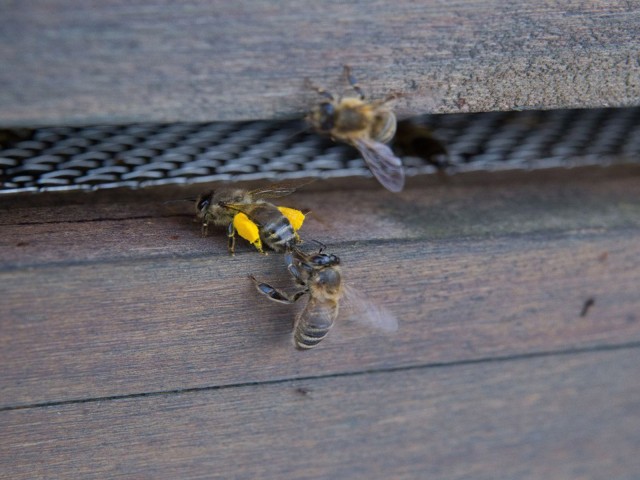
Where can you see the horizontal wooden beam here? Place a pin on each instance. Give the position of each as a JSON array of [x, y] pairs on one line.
[[561, 416], [94, 61], [123, 297]]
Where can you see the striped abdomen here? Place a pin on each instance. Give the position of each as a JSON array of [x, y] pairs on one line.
[[275, 229], [384, 127], [279, 234], [314, 323]]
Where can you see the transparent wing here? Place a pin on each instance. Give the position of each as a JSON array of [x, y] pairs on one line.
[[357, 307], [249, 209], [278, 190], [384, 165]]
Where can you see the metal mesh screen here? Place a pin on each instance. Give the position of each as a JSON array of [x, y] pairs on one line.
[[139, 155]]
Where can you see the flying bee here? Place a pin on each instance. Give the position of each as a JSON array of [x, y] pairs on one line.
[[250, 215], [367, 126], [318, 276]]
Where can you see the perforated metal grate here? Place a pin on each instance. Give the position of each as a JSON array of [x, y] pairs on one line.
[[72, 158]]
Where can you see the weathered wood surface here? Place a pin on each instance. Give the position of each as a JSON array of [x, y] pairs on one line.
[[560, 417], [70, 61], [123, 298]]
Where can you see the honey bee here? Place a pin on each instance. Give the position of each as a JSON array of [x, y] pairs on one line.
[[250, 215], [319, 276], [367, 126]]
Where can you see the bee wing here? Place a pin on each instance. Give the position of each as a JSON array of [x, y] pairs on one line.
[[278, 190], [247, 208], [384, 165], [357, 307]]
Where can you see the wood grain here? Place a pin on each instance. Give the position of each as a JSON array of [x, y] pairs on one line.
[[139, 224], [112, 307], [560, 417], [71, 62]]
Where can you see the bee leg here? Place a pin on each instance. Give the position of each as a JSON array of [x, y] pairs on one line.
[[321, 91], [288, 257], [299, 277], [275, 294], [231, 236], [205, 229], [353, 82], [295, 273]]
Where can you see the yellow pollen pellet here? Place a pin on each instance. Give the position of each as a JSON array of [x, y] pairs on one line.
[[247, 230], [295, 217]]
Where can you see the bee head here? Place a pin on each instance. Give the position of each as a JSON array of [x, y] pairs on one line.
[[323, 116], [325, 260], [203, 201]]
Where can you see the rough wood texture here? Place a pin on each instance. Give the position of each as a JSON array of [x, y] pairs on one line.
[[560, 417], [108, 304], [69, 61], [130, 346]]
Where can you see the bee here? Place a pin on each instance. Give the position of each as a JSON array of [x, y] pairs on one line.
[[318, 276], [250, 215], [367, 126]]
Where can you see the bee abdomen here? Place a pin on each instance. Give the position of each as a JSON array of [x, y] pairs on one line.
[[385, 127], [306, 338], [314, 324], [279, 234]]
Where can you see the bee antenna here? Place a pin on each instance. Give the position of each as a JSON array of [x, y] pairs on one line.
[[320, 244], [230, 206]]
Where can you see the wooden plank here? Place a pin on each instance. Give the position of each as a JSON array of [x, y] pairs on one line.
[[95, 61], [473, 273], [567, 416], [138, 224]]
